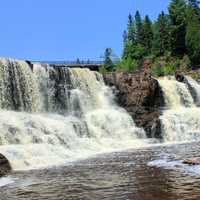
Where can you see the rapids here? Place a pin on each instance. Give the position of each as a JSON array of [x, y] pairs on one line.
[[180, 120]]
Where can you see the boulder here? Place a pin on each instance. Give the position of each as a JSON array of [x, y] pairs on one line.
[[140, 94], [5, 167], [192, 161]]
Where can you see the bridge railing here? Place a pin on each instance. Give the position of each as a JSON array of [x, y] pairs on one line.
[[81, 62]]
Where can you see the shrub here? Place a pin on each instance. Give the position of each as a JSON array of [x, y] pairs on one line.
[[127, 65]]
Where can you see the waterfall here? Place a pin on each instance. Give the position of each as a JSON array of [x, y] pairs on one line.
[[194, 88], [53, 115], [180, 120]]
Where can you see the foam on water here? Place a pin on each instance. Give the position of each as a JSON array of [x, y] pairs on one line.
[[6, 181], [180, 120]]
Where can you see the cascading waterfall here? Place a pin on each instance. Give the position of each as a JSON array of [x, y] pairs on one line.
[[194, 88], [181, 119], [52, 115]]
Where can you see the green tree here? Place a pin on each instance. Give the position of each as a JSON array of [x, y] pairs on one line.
[[138, 26], [133, 51], [177, 13], [193, 32], [194, 3], [147, 35], [131, 29], [108, 63], [78, 61], [162, 39], [125, 37]]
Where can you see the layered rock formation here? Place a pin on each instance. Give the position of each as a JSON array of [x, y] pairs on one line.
[[139, 93], [5, 167]]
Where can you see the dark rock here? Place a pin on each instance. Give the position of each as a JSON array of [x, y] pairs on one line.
[[192, 161], [140, 94], [5, 167], [180, 77]]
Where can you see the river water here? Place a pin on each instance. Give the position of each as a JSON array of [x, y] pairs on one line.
[[152, 173]]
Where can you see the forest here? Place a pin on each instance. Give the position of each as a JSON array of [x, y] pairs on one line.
[[171, 42]]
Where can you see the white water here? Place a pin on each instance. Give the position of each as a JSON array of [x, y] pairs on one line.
[[56, 115], [181, 119], [195, 89]]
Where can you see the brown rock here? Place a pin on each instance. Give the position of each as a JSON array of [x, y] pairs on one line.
[[139, 93], [5, 167], [192, 161]]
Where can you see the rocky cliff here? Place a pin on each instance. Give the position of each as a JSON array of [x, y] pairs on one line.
[[139, 93]]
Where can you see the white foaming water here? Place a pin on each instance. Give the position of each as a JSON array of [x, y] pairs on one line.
[[195, 89], [65, 115], [6, 181], [181, 120], [176, 93]]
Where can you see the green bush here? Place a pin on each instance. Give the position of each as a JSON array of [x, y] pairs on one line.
[[185, 63], [127, 65], [165, 69]]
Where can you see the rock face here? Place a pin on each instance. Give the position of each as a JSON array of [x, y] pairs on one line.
[[139, 93], [5, 167]]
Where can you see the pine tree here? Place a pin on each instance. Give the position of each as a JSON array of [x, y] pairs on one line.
[[177, 13], [193, 32], [193, 9], [194, 3], [78, 61], [138, 25], [125, 37], [147, 34], [108, 63], [131, 29], [162, 40]]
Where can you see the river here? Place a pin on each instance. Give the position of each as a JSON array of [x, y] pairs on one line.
[[152, 173]]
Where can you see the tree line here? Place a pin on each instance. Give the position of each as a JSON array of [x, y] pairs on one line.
[[173, 40]]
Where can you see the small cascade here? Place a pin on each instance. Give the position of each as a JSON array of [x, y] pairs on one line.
[[53, 115], [180, 120], [176, 94], [18, 87], [194, 88]]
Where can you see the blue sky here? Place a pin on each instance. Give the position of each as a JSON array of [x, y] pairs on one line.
[[67, 29]]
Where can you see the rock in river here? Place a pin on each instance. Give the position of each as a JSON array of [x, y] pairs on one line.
[[192, 161], [5, 167]]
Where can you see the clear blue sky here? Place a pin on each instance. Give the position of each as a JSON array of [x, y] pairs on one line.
[[67, 29]]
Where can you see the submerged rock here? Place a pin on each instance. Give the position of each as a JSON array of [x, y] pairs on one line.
[[192, 161], [5, 167], [140, 94]]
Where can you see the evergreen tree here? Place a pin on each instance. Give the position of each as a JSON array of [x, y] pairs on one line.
[[193, 32], [147, 35], [193, 9], [108, 63], [131, 29], [125, 37], [162, 40], [133, 51], [177, 13], [138, 25], [194, 4], [78, 61]]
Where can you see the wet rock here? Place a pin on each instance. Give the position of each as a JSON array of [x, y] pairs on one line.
[[140, 94], [5, 167], [192, 161]]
